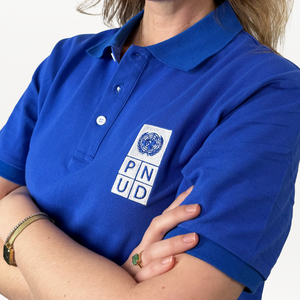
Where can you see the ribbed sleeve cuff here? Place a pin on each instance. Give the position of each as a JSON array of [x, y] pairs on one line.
[[12, 174], [223, 260]]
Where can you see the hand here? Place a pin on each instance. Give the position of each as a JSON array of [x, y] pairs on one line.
[[157, 255]]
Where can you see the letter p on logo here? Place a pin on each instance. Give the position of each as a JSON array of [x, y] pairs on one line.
[[130, 167]]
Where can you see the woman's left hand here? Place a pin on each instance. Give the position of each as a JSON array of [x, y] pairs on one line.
[[157, 254]]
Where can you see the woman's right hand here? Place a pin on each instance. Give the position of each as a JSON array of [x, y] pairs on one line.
[[158, 254]]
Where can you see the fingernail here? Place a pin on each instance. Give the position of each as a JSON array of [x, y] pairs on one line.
[[188, 191], [191, 208], [167, 261], [189, 238]]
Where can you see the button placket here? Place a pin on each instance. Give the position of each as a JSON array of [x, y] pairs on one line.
[[112, 102]]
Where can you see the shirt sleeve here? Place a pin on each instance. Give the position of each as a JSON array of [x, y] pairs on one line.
[[15, 136], [244, 179]]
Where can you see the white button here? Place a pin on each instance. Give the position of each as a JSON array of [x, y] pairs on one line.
[[101, 120], [113, 57], [118, 89]]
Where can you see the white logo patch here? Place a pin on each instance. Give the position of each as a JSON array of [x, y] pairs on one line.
[[139, 169]]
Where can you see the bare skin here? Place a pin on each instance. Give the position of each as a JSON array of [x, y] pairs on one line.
[[163, 20], [158, 256]]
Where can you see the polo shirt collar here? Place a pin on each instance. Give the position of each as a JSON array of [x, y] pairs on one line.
[[188, 49]]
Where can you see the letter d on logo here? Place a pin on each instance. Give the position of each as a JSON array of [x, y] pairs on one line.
[[140, 192]]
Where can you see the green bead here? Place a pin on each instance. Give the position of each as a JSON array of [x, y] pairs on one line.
[[135, 259]]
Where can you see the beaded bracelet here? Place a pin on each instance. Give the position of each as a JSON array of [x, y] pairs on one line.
[[8, 249], [18, 225]]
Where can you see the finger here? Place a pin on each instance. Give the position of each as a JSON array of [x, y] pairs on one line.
[[161, 224], [169, 247], [155, 268], [179, 199]]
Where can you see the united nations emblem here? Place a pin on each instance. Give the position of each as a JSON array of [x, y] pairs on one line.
[[150, 143]]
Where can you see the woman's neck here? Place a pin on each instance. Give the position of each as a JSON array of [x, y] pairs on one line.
[[164, 19]]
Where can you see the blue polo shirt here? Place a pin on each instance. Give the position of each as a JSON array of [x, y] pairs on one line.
[[105, 144]]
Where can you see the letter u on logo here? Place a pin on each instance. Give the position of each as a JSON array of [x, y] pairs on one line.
[[122, 186], [121, 190]]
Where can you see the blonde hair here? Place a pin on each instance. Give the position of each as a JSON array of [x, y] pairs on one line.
[[266, 20]]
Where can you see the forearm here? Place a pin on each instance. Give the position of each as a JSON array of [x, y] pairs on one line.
[[12, 283], [55, 266]]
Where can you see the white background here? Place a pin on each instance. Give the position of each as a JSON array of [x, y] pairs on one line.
[[30, 29]]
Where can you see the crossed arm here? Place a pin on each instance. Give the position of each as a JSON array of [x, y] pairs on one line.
[[52, 266]]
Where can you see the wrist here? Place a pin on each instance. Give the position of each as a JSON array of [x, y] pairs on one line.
[[8, 249], [13, 209]]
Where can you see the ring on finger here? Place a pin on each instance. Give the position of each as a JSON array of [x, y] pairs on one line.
[[137, 259]]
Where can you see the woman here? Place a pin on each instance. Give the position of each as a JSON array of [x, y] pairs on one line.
[[202, 104]]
